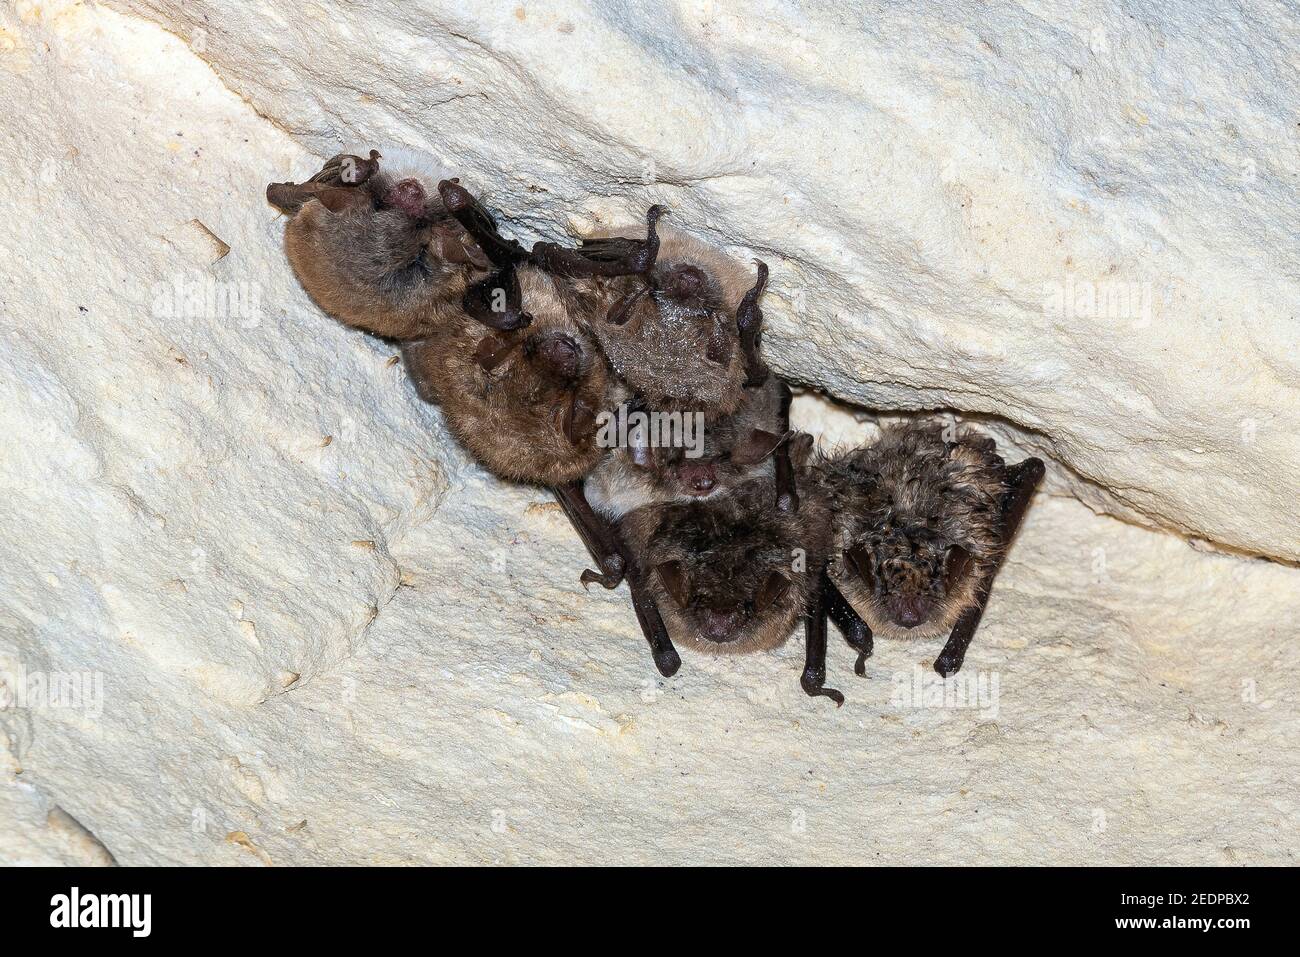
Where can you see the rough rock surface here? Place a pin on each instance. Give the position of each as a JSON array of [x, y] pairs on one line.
[[291, 623]]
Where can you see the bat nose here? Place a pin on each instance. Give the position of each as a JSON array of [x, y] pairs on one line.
[[699, 479], [910, 612], [408, 196], [684, 282], [558, 355], [720, 625]]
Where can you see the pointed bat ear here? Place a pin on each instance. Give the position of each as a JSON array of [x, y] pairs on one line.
[[494, 349], [859, 559], [801, 446], [773, 587], [577, 420], [672, 575], [956, 563], [451, 243], [719, 348], [338, 199], [756, 446]]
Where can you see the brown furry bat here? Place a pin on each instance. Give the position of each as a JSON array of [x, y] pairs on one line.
[[377, 248], [922, 523], [731, 574], [523, 401], [485, 335], [734, 573], [680, 326], [728, 451]]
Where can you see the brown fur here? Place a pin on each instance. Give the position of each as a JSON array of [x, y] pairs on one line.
[[662, 349], [377, 267], [512, 417], [907, 500], [728, 547]]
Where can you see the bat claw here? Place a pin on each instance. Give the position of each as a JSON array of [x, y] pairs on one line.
[[818, 691], [611, 578], [813, 683], [860, 666]]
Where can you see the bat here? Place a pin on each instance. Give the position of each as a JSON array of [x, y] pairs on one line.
[[922, 521]]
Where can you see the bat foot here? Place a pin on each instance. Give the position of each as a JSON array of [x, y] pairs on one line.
[[812, 683], [788, 502], [667, 661], [860, 640], [353, 170], [611, 578], [947, 664], [860, 666]]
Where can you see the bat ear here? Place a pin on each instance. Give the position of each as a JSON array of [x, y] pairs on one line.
[[801, 446], [493, 350], [859, 559], [338, 199], [956, 562], [773, 587], [756, 446], [672, 575], [578, 419], [451, 243], [719, 349]]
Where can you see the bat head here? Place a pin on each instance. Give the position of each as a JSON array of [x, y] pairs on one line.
[[915, 584], [718, 610], [918, 519], [718, 467], [730, 574]]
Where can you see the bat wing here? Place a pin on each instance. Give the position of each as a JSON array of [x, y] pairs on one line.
[[480, 224], [615, 256]]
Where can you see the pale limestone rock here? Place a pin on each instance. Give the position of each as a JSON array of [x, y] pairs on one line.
[[323, 636]]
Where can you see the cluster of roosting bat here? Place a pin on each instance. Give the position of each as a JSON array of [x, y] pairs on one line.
[[725, 545]]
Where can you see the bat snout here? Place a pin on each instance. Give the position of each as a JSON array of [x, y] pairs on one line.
[[721, 625], [557, 354], [698, 478], [683, 282], [409, 196], [908, 611]]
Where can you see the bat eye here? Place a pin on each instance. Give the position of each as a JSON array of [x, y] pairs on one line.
[[956, 562]]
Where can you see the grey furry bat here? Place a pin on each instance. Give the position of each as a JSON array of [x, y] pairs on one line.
[[678, 320], [921, 527], [377, 248]]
